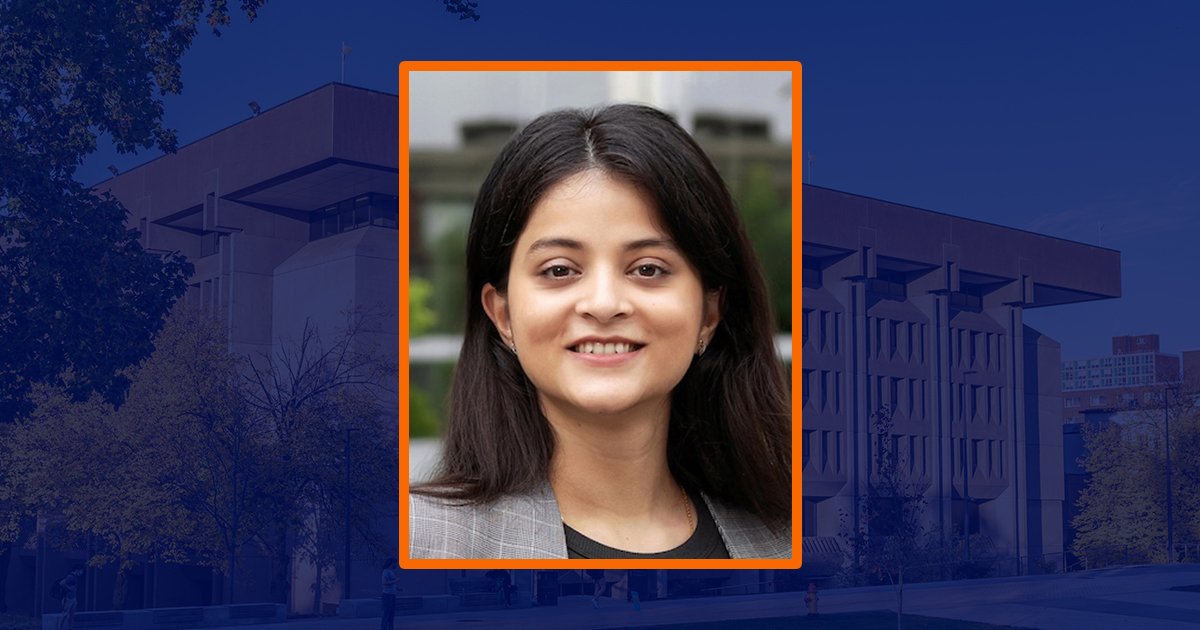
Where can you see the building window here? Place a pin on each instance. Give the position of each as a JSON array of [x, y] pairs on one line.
[[837, 392], [966, 302], [383, 210], [890, 285], [351, 214], [362, 211], [812, 273], [837, 327], [823, 327], [210, 243]]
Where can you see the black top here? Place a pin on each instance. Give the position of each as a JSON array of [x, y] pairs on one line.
[[704, 543]]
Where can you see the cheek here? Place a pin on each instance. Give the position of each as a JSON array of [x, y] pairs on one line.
[[537, 318], [677, 316]]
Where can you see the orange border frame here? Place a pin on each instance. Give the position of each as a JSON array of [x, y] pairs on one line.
[[794, 67]]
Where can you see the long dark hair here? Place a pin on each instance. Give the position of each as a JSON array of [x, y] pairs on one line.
[[730, 433]]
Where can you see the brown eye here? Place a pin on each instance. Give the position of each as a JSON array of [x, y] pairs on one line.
[[557, 271], [650, 271]]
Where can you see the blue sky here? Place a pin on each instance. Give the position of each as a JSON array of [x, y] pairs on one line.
[[1055, 119]]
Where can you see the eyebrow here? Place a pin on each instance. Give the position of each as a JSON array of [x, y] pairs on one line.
[[569, 243]]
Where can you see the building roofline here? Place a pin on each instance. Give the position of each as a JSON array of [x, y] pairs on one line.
[[962, 218], [330, 85]]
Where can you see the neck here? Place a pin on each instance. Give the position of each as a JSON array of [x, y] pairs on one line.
[[611, 479]]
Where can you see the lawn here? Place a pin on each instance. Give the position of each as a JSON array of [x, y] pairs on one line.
[[872, 620], [13, 622]]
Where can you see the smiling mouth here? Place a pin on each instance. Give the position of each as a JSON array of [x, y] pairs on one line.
[[590, 347]]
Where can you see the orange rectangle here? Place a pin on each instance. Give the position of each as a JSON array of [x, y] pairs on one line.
[[405, 68]]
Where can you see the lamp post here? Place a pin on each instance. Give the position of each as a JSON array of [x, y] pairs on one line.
[[966, 473], [346, 581], [1167, 446]]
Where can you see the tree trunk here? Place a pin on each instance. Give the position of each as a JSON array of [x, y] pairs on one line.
[[121, 583], [281, 591], [230, 577], [900, 600], [5, 554], [317, 595]]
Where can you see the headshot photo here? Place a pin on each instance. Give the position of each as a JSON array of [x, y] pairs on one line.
[[596, 365]]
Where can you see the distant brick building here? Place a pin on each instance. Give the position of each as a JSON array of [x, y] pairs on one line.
[[1132, 376]]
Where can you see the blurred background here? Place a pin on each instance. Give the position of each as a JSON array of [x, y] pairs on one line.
[[461, 120]]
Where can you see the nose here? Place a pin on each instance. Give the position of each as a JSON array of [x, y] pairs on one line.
[[604, 297]]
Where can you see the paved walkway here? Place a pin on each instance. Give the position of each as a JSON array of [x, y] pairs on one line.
[[1119, 598]]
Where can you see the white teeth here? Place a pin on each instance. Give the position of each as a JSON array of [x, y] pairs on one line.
[[591, 347]]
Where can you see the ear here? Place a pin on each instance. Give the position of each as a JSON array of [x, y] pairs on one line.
[[711, 315], [495, 304]]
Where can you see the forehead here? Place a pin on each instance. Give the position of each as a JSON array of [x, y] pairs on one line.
[[593, 206]]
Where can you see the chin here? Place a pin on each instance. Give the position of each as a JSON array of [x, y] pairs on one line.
[[608, 403], [604, 408]]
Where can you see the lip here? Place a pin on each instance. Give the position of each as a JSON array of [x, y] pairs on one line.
[[606, 360]]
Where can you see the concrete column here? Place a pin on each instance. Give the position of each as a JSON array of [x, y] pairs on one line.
[[859, 411], [940, 371]]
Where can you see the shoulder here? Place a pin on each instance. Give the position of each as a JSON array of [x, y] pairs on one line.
[[516, 526], [746, 536]]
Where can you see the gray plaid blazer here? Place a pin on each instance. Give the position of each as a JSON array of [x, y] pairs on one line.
[[530, 526]]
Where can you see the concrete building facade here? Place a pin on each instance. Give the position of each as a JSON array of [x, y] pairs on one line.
[[922, 314], [290, 218]]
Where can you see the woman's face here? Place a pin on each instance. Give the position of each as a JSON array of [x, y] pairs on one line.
[[605, 311]]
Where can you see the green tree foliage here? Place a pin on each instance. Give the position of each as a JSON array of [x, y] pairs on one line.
[[79, 299], [421, 318], [1122, 516], [422, 413], [450, 281], [769, 225]]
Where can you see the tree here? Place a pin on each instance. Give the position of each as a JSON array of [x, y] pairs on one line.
[[422, 414], [1122, 514], [212, 455], [216, 457], [325, 400], [178, 473], [769, 226], [88, 474], [464, 9], [79, 298], [894, 540]]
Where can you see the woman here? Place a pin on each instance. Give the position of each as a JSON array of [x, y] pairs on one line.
[[618, 393]]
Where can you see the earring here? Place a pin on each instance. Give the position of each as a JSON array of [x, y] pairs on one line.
[[700, 351], [512, 346]]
